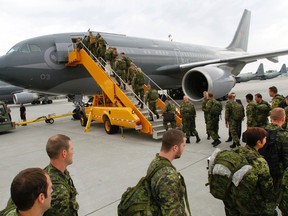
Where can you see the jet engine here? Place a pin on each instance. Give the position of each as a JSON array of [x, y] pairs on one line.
[[208, 78], [25, 97]]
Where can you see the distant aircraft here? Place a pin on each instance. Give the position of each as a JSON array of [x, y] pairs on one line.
[[260, 75], [250, 76], [39, 63], [271, 75], [17, 95]]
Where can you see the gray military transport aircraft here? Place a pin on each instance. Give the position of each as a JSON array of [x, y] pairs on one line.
[[39, 63], [260, 74]]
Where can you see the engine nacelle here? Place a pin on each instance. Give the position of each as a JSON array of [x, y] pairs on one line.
[[25, 97], [209, 78]]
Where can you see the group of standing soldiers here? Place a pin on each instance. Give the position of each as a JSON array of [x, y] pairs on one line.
[[257, 113]]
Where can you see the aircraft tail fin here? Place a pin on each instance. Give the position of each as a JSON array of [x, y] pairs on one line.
[[283, 69], [240, 40], [260, 70]]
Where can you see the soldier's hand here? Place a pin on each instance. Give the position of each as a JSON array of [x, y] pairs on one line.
[[227, 125]]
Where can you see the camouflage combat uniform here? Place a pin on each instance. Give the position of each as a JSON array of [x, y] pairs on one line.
[[277, 101], [262, 113], [169, 108], [151, 98], [232, 121], [285, 126], [138, 84], [257, 197], [10, 212], [167, 189], [282, 149], [63, 202], [100, 52], [128, 64], [251, 114], [188, 114], [204, 104], [120, 66], [131, 71], [283, 205], [110, 56], [212, 120]]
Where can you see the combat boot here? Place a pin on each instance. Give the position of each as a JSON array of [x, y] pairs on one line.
[[216, 142], [233, 145], [208, 137], [197, 138], [188, 140]]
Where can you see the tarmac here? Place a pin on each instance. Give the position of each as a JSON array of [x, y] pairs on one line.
[[105, 165]]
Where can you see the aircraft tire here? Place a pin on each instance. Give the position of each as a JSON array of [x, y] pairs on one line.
[[49, 101], [76, 114], [110, 129]]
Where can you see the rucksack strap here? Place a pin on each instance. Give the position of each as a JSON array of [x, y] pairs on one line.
[[157, 168], [186, 195]]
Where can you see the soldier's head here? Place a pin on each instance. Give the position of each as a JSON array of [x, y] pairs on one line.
[[173, 143], [123, 55], [205, 94], [59, 147], [249, 98], [210, 95], [273, 91], [185, 98], [255, 137], [233, 95], [90, 33], [258, 98], [230, 97], [278, 116], [148, 87], [31, 189]]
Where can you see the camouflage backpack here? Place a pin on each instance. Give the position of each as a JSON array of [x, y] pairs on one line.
[[223, 165], [153, 95], [137, 200], [216, 108], [238, 111], [140, 78]]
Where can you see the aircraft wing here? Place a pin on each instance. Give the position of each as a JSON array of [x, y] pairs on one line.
[[244, 58]]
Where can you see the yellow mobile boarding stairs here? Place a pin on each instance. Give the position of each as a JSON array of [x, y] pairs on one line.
[[116, 107]]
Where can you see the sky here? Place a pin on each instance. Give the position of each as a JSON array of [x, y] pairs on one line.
[[204, 22]]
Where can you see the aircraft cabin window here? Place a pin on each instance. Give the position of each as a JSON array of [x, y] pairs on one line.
[[24, 48], [34, 48]]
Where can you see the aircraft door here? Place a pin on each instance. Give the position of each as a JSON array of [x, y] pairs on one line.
[[62, 45]]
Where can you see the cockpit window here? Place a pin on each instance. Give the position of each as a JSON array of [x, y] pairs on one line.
[[24, 48], [34, 48], [13, 49]]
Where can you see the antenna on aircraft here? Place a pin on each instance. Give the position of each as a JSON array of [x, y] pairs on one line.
[[170, 37]]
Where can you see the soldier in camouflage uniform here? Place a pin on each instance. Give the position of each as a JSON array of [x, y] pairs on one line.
[[278, 117], [262, 111], [151, 97], [169, 109], [128, 64], [212, 121], [92, 43], [188, 114], [110, 57], [31, 191], [138, 85], [230, 119], [167, 185], [120, 66], [251, 111], [204, 103], [131, 71], [257, 196], [60, 151], [101, 49], [277, 100]]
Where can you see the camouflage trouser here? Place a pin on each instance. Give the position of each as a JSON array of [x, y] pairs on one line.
[[153, 108], [189, 126], [139, 92], [230, 208], [234, 130], [283, 206], [93, 49], [121, 74], [213, 127], [205, 118]]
